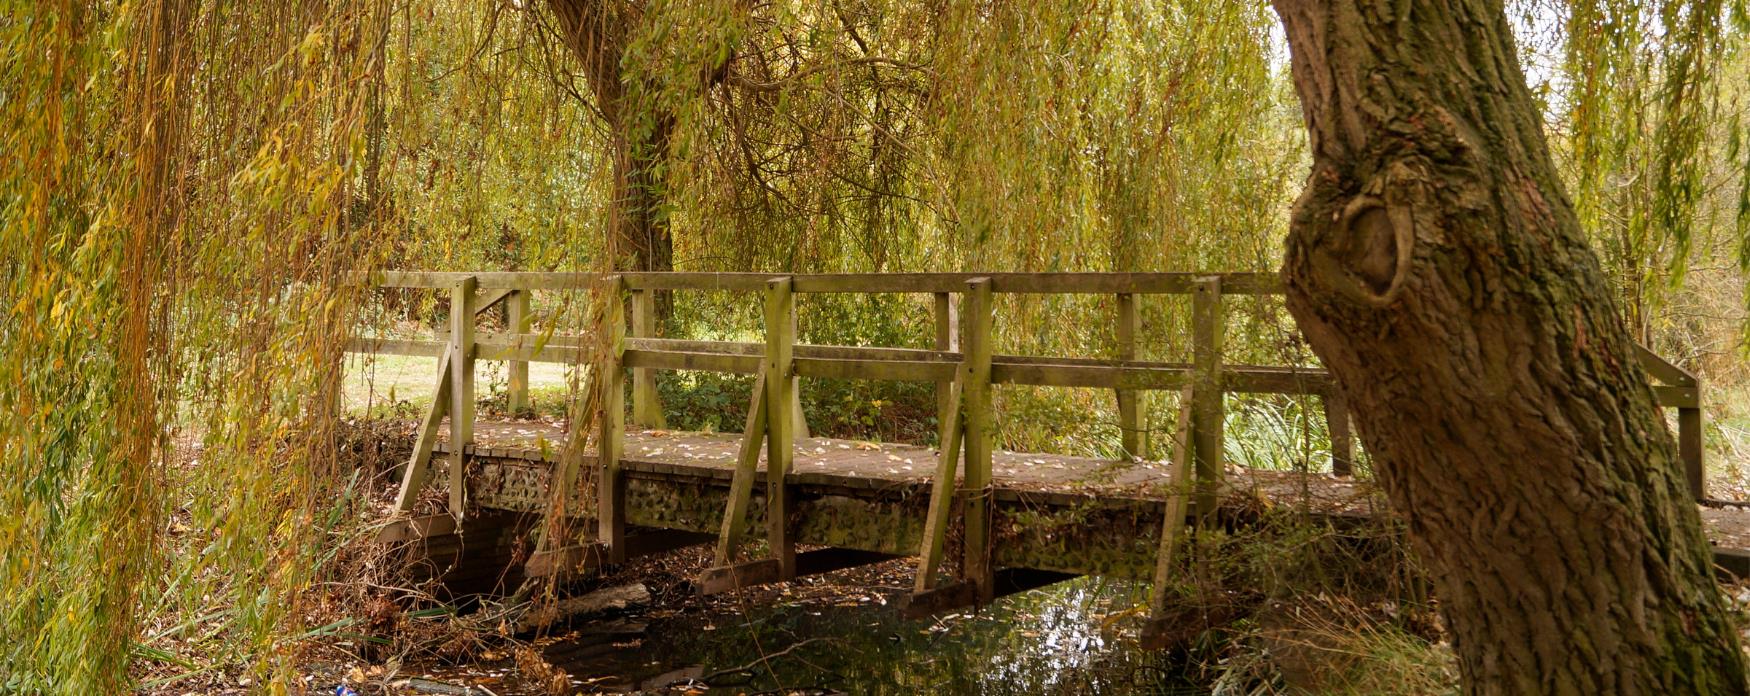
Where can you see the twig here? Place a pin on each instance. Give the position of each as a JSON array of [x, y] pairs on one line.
[[748, 668]]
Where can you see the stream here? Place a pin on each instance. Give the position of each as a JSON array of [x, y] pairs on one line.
[[1076, 637]]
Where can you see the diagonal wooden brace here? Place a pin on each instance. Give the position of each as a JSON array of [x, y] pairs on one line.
[[746, 469], [414, 474], [1179, 486], [941, 496]]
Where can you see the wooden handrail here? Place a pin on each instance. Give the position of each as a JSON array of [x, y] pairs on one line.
[[901, 364], [1001, 283]]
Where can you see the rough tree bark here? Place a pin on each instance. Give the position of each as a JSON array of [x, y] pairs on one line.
[[1438, 269]]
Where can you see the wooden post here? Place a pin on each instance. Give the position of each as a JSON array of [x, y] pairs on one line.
[[975, 378], [1132, 421], [518, 321], [646, 403], [747, 463], [798, 420], [461, 351], [1690, 449], [780, 316], [1207, 409], [947, 339], [1342, 440], [611, 442]]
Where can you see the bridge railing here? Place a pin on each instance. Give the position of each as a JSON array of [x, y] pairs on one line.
[[962, 363]]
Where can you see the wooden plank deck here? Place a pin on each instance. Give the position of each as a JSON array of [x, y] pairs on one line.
[[873, 470], [856, 464]]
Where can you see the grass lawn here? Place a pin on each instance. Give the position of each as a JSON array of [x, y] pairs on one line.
[[375, 383]]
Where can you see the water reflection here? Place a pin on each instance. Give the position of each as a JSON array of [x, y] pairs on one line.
[[1076, 637]]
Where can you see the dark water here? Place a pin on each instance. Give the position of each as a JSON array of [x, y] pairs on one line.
[[1076, 637]]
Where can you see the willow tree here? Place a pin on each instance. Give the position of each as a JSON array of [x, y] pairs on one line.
[[1439, 270]]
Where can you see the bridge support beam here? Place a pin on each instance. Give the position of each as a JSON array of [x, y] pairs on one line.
[[937, 519], [1342, 438], [413, 475], [950, 436], [517, 320], [1207, 402], [1690, 449], [780, 317], [947, 339], [461, 361], [646, 403], [980, 436], [1132, 418], [610, 489]]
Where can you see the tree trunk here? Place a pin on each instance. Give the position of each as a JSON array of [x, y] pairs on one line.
[[596, 32], [1438, 269], [641, 232]]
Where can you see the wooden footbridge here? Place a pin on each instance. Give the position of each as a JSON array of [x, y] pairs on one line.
[[982, 522]]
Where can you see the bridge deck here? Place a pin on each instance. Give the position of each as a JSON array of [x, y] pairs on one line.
[[849, 466], [860, 464]]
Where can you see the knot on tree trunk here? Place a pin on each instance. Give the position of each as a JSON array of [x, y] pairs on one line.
[[1367, 254], [1364, 245]]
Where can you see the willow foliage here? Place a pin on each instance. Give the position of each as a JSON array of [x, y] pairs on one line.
[[1646, 118], [487, 161], [181, 217], [1045, 136]]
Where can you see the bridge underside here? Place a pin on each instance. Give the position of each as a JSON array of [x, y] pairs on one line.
[[1058, 515]]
